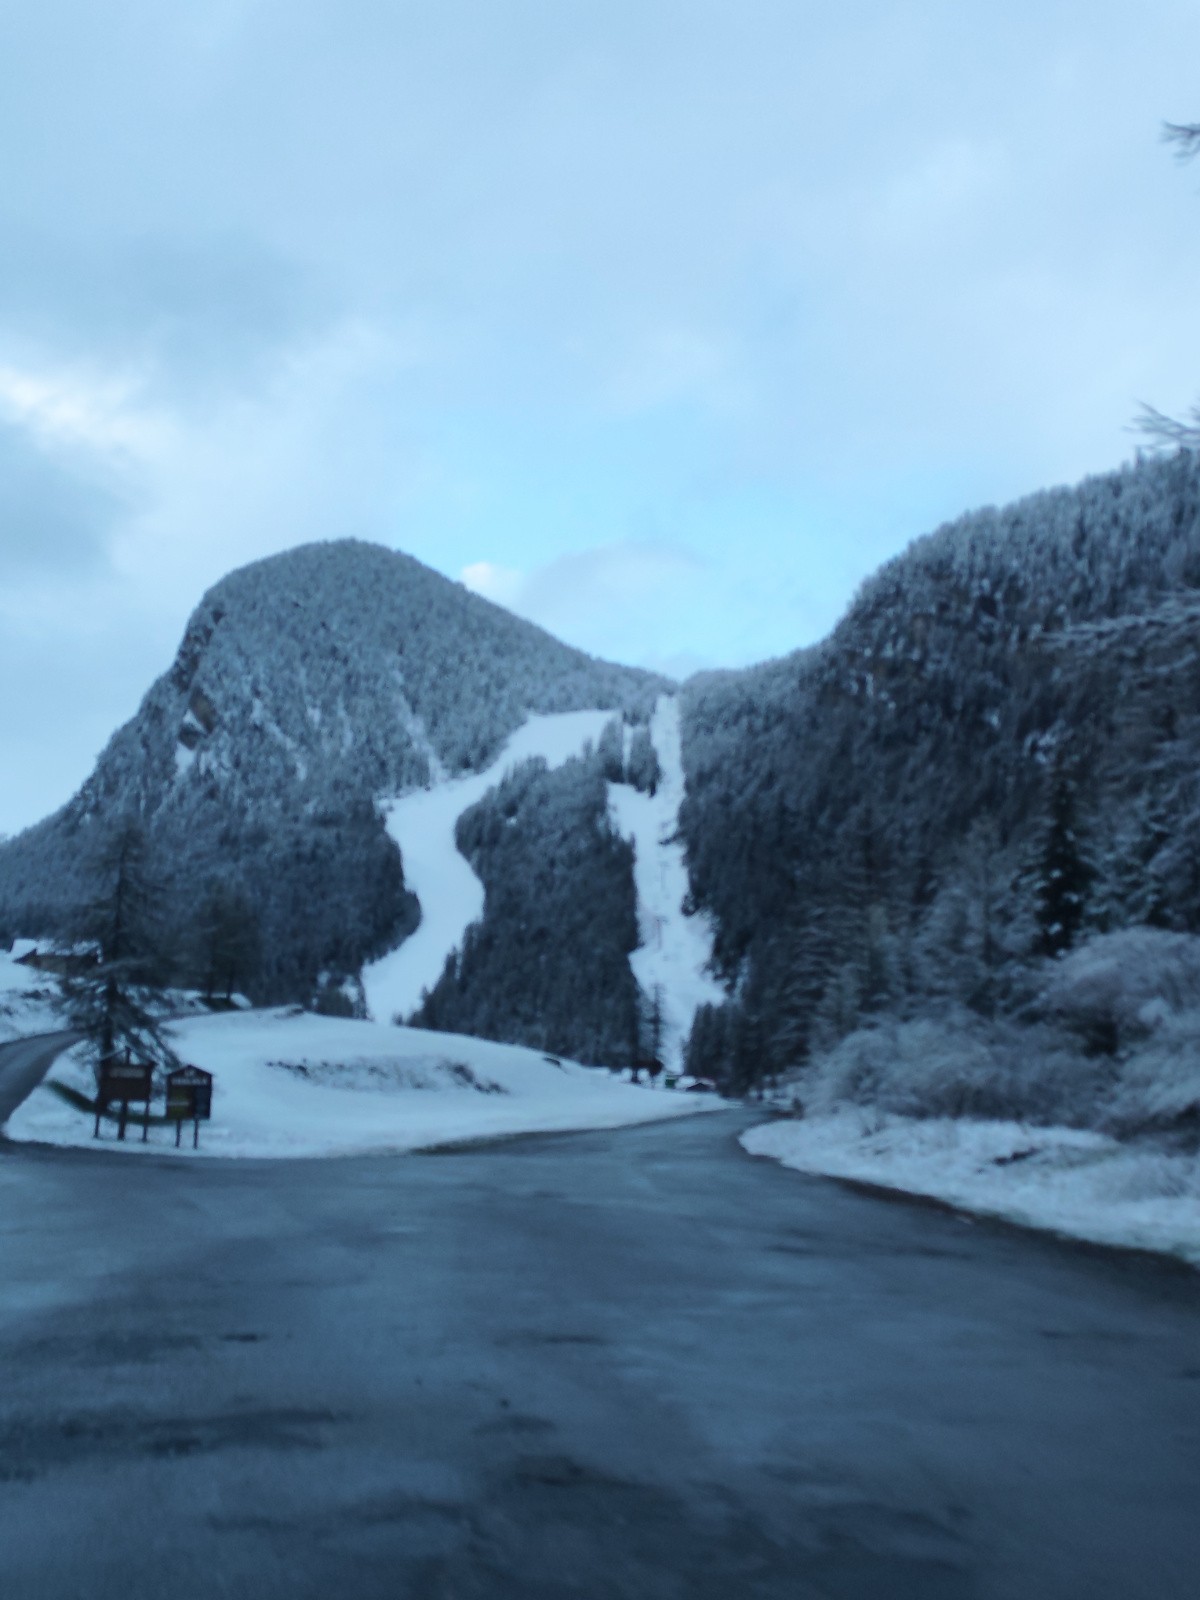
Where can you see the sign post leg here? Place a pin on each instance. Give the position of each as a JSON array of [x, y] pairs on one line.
[[146, 1123], [196, 1134], [178, 1130], [124, 1115], [96, 1129]]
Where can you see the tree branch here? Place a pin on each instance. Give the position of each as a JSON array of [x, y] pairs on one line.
[[1185, 136], [1169, 433]]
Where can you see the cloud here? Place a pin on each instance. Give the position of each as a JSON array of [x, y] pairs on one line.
[[683, 315], [622, 599], [674, 365], [501, 584], [184, 318], [76, 409], [53, 515]]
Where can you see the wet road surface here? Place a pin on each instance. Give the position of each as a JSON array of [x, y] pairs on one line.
[[632, 1364]]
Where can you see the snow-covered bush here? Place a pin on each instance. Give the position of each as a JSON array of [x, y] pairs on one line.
[[958, 1065], [1159, 1083], [1119, 987]]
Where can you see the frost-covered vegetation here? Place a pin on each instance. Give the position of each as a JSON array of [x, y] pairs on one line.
[[1110, 1039], [307, 688], [993, 761]]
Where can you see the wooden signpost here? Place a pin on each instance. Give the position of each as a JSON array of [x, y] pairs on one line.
[[123, 1080], [189, 1099]]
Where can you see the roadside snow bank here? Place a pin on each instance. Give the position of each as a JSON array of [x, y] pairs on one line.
[[1081, 1184], [675, 949], [450, 894], [293, 1084]]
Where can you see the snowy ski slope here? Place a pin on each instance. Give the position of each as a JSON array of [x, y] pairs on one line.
[[672, 958], [675, 949], [451, 896]]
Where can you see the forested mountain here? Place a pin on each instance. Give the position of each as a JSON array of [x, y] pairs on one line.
[[995, 753], [994, 758], [307, 686]]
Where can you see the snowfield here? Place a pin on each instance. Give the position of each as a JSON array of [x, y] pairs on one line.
[[675, 950], [450, 894], [294, 1084], [1083, 1185], [27, 996]]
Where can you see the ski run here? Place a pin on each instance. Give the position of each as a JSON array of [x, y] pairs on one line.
[[671, 962]]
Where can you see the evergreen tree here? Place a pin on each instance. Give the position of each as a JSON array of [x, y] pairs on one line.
[[1064, 875], [707, 1054], [229, 941], [116, 961], [642, 768], [809, 964], [649, 1050]]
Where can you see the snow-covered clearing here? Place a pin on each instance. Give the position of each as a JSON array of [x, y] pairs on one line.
[[1081, 1184], [27, 996], [451, 896], [294, 1084], [673, 956]]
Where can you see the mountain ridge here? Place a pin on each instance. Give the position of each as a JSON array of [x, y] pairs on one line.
[[308, 687]]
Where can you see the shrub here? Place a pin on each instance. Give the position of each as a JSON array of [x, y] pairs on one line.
[[958, 1065]]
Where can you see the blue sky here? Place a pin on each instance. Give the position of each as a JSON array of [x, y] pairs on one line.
[[662, 322]]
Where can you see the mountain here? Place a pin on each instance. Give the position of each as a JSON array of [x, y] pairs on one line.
[[994, 755], [992, 760], [308, 687]]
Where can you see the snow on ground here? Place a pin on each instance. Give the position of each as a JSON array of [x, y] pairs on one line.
[[1081, 1184], [675, 949], [27, 996], [451, 896], [292, 1084]]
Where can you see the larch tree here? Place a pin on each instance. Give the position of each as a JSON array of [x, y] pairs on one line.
[[115, 959]]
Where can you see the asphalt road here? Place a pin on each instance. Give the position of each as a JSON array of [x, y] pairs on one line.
[[634, 1364], [23, 1065]]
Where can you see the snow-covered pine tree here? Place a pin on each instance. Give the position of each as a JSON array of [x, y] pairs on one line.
[[642, 768], [1064, 874], [116, 960], [228, 940]]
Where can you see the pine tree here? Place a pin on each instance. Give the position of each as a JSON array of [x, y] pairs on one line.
[[642, 768], [808, 967], [649, 1047], [117, 957], [1064, 875], [228, 937]]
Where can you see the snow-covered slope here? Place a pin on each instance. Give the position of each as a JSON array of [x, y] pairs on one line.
[[27, 996], [291, 1084], [671, 962], [450, 895]]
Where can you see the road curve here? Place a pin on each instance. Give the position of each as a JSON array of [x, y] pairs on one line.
[[23, 1065], [631, 1365]]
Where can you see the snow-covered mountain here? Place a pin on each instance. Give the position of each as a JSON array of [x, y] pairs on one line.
[[309, 689], [994, 756]]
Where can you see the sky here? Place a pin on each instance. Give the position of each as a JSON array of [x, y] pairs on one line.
[[662, 322]]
